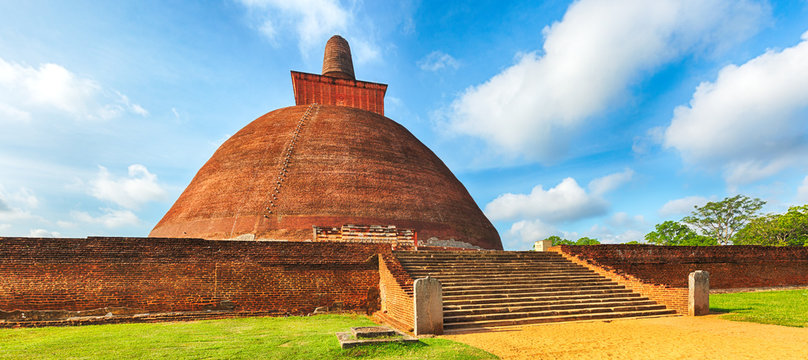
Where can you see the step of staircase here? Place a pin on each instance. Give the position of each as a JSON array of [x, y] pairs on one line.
[[502, 288]]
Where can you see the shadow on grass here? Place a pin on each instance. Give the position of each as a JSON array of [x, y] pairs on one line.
[[718, 310], [372, 350]]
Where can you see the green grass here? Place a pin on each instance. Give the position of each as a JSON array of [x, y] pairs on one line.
[[788, 308], [309, 337]]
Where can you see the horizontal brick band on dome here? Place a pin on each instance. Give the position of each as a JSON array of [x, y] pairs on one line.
[[348, 166]]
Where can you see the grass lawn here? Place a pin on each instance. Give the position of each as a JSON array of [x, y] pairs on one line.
[[788, 308], [310, 337]]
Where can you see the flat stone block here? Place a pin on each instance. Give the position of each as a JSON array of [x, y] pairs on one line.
[[348, 340], [372, 331]]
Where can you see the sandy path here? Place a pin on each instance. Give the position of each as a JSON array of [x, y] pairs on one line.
[[678, 337]]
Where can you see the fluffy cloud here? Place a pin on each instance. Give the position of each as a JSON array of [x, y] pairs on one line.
[[751, 120], [609, 236], [610, 182], [50, 88], [588, 61], [528, 231], [42, 233], [111, 218], [802, 191], [130, 192], [16, 206], [566, 201], [682, 206], [438, 60], [313, 21], [624, 220]]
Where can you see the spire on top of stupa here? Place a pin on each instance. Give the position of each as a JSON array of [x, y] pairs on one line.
[[338, 85], [337, 60]]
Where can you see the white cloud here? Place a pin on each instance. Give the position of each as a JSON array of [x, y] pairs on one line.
[[42, 233], [751, 120], [314, 21], [438, 60], [364, 52], [653, 137], [589, 60], [4, 227], [130, 192], [111, 218], [802, 191], [682, 206], [16, 206], [608, 236], [624, 220], [610, 182], [528, 231], [567, 201], [50, 88]]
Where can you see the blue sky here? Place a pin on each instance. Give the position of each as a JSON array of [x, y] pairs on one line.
[[584, 118]]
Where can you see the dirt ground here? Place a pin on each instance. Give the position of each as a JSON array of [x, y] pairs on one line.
[[679, 337]]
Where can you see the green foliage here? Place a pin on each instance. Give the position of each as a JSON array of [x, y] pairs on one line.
[[558, 240], [674, 233], [633, 242], [295, 337], [582, 241], [788, 308], [587, 241], [789, 229], [721, 220]]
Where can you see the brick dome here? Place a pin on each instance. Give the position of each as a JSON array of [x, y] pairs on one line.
[[324, 165]]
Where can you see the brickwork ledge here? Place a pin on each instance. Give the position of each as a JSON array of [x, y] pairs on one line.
[[110, 318]]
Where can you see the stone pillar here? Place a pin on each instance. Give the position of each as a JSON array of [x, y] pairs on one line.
[[542, 245], [698, 298], [428, 298]]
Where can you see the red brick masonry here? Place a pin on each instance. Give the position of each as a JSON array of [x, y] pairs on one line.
[[396, 293], [159, 274], [326, 90], [660, 272]]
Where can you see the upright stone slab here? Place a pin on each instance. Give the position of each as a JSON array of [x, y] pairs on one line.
[[698, 299], [428, 298], [542, 245]]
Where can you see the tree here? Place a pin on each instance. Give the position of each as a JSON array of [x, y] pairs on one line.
[[587, 241], [788, 229], [674, 233], [721, 220], [582, 241]]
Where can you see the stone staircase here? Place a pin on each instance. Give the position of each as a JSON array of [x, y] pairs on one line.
[[503, 288]]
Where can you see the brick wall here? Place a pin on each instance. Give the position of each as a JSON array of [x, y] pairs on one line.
[[673, 298], [388, 234], [729, 266], [395, 287], [158, 274]]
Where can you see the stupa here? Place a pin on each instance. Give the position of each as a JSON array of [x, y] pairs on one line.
[[332, 159]]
